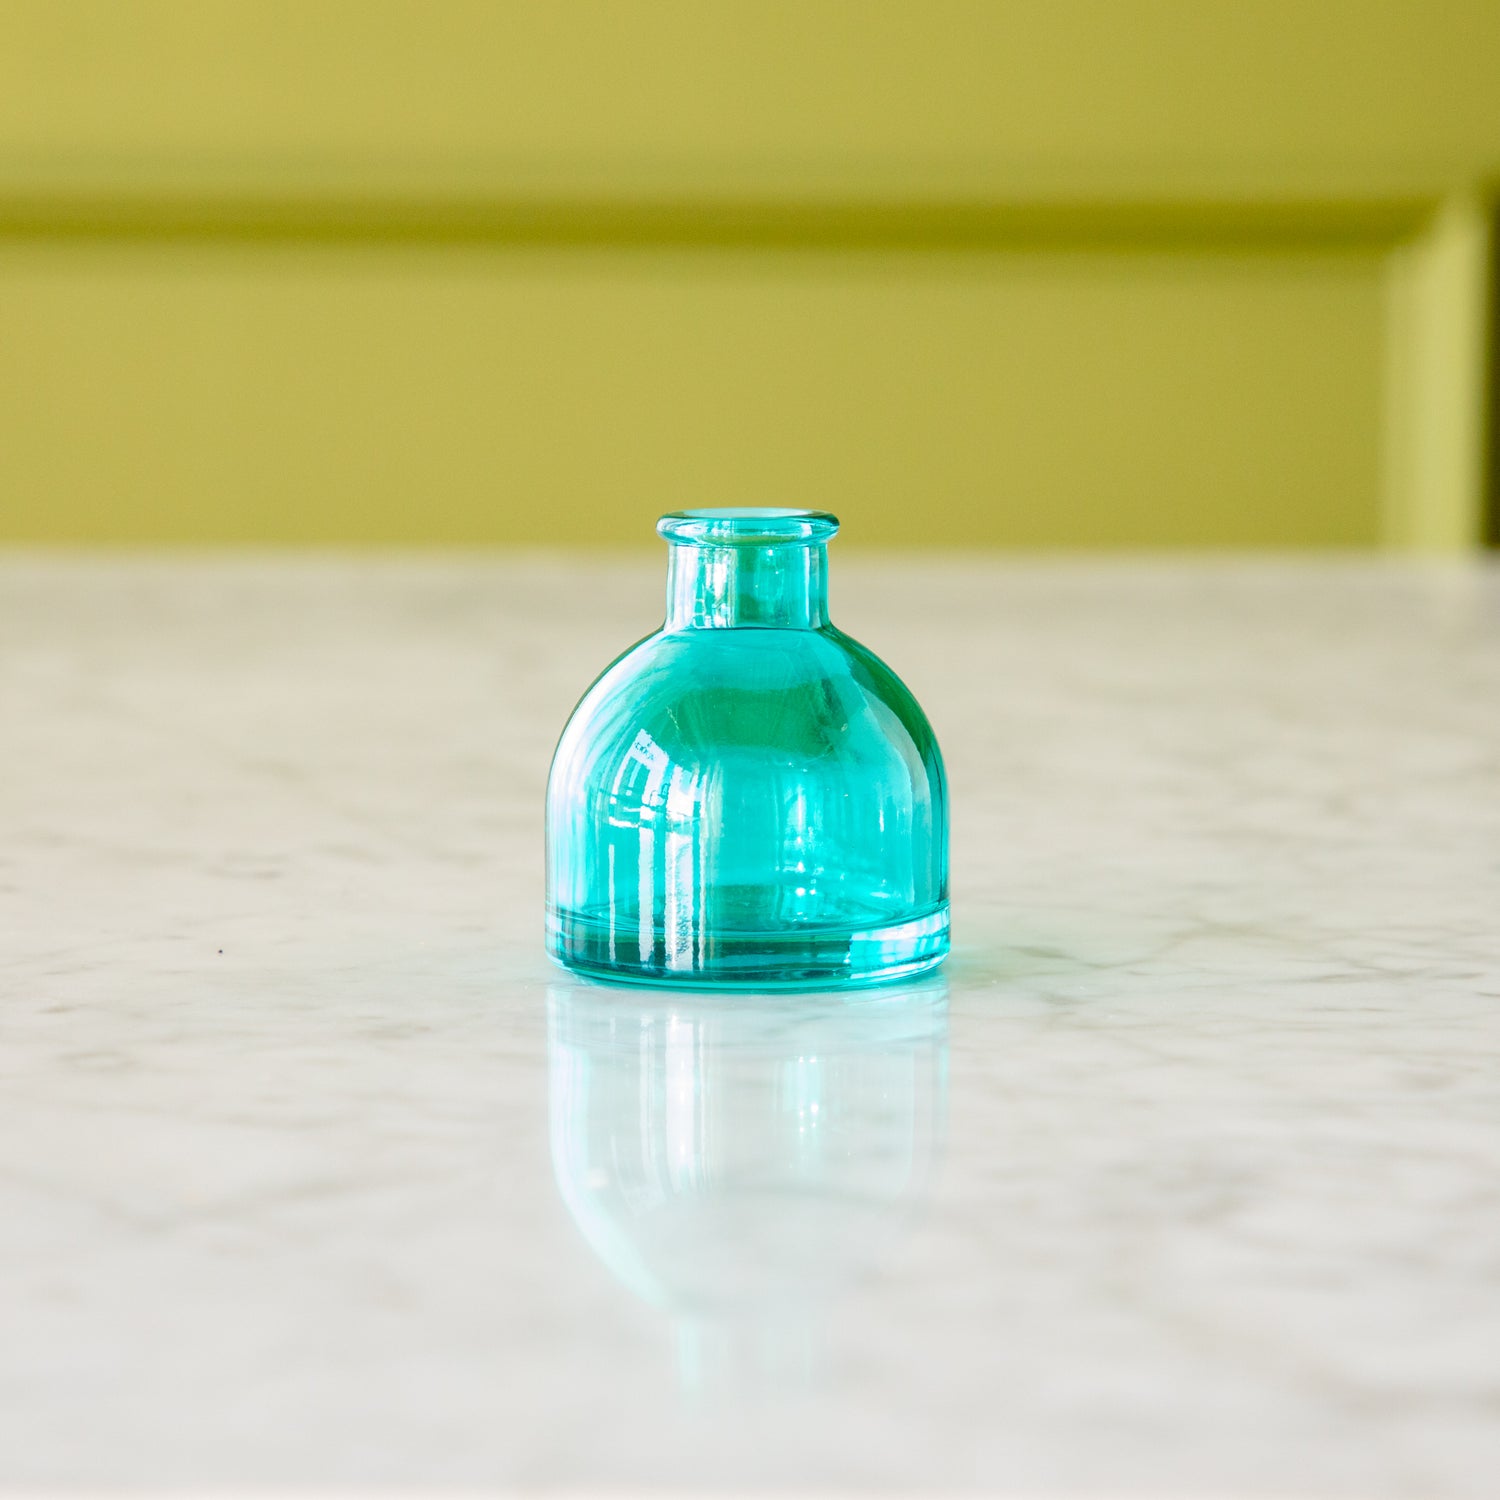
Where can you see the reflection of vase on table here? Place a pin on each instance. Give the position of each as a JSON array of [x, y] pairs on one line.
[[741, 1166]]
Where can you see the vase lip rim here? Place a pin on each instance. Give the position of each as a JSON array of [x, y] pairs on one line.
[[747, 526]]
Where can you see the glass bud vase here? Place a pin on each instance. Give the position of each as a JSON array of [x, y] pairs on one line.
[[747, 798]]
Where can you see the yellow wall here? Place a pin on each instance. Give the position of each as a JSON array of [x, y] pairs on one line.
[[1044, 274]]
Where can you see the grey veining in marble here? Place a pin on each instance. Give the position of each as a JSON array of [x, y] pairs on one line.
[[1183, 1181]]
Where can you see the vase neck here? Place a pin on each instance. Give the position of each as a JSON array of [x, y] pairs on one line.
[[730, 569], [779, 587]]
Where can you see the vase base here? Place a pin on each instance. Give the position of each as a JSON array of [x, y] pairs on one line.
[[797, 959]]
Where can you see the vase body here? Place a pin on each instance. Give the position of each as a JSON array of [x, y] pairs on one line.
[[747, 798]]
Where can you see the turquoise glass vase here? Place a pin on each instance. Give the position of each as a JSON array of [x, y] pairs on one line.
[[748, 798]]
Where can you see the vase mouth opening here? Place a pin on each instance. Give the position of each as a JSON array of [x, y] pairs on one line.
[[747, 526]]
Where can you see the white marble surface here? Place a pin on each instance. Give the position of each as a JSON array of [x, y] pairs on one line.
[[314, 1176]]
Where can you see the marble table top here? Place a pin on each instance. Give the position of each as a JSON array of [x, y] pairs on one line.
[[1182, 1180]]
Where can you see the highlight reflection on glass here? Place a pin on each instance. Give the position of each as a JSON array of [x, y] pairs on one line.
[[748, 798], [741, 1167]]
